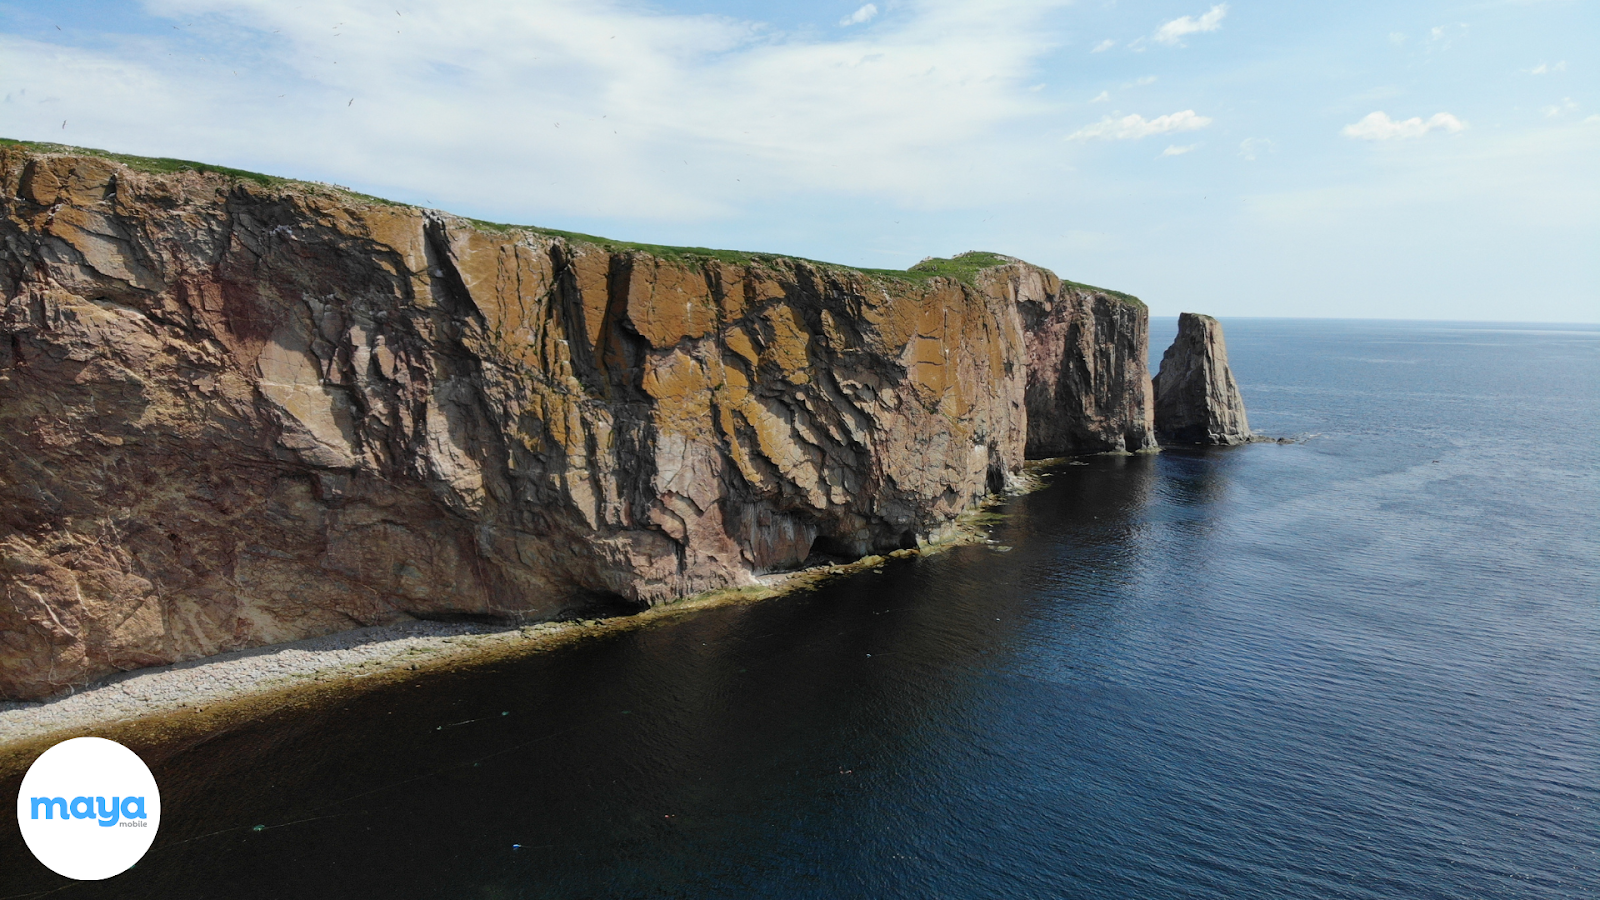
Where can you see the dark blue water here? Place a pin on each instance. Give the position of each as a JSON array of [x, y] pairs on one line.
[[1362, 666]]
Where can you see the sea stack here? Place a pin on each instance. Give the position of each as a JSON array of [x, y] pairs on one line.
[[1197, 400]]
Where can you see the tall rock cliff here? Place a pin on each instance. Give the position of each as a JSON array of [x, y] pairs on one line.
[[1197, 400], [1088, 383], [236, 411]]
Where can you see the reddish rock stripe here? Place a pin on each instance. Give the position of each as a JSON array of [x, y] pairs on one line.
[[236, 415]]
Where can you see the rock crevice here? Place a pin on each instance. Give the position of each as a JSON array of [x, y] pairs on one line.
[[234, 414], [1197, 401]]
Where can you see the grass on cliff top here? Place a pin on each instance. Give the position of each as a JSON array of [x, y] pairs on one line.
[[153, 165], [966, 266], [1129, 299], [161, 165], [963, 267]]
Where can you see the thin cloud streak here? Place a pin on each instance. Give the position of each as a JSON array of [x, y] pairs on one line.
[[555, 106], [864, 14], [1173, 33], [1134, 127], [1377, 126]]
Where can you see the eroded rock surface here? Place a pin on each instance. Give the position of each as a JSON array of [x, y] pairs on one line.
[[1088, 383], [233, 415], [1197, 400]]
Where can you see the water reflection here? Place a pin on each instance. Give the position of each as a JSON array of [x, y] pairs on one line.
[[670, 755], [1352, 668]]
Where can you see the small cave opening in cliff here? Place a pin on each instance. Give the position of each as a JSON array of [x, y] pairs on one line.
[[829, 551], [995, 478], [597, 605]]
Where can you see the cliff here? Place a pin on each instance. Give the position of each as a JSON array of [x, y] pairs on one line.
[[1197, 400], [237, 410]]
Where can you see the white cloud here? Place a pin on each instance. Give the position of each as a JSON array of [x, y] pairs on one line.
[[1103, 46], [1173, 32], [1396, 38], [1556, 110], [1250, 148], [1134, 127], [863, 14], [1546, 68], [1379, 127], [1443, 36], [1175, 150], [461, 98], [1101, 97]]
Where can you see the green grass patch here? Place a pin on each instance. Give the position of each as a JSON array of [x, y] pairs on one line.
[[167, 166], [690, 255], [153, 165], [694, 257], [963, 267], [1129, 299]]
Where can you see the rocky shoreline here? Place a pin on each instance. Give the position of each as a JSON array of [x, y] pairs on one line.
[[211, 693], [247, 412], [211, 681], [244, 411]]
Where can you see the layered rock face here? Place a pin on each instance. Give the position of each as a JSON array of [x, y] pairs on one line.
[[1088, 383], [1197, 400], [236, 414]]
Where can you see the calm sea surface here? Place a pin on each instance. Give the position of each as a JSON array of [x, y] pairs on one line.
[[1362, 666]]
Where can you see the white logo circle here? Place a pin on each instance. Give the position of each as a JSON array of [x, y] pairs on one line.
[[88, 808]]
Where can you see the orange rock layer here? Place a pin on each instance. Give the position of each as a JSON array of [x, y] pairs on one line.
[[235, 415]]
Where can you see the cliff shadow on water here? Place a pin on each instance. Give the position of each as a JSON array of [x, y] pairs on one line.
[[659, 756], [1356, 667]]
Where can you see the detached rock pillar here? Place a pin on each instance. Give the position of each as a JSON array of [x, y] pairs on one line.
[[1197, 400]]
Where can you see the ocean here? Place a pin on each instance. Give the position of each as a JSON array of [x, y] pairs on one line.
[[1362, 665]]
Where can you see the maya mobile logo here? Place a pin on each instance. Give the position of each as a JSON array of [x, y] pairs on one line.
[[89, 808]]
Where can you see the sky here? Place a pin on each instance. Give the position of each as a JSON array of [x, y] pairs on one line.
[[1402, 159]]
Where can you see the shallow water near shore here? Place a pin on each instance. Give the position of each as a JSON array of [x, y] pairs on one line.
[[1365, 665]]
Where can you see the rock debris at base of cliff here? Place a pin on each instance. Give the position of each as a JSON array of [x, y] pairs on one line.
[[237, 413]]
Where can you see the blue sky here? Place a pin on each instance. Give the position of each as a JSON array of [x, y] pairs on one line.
[[1399, 160]]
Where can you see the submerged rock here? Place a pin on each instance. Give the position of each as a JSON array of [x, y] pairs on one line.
[[1197, 400], [241, 411]]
